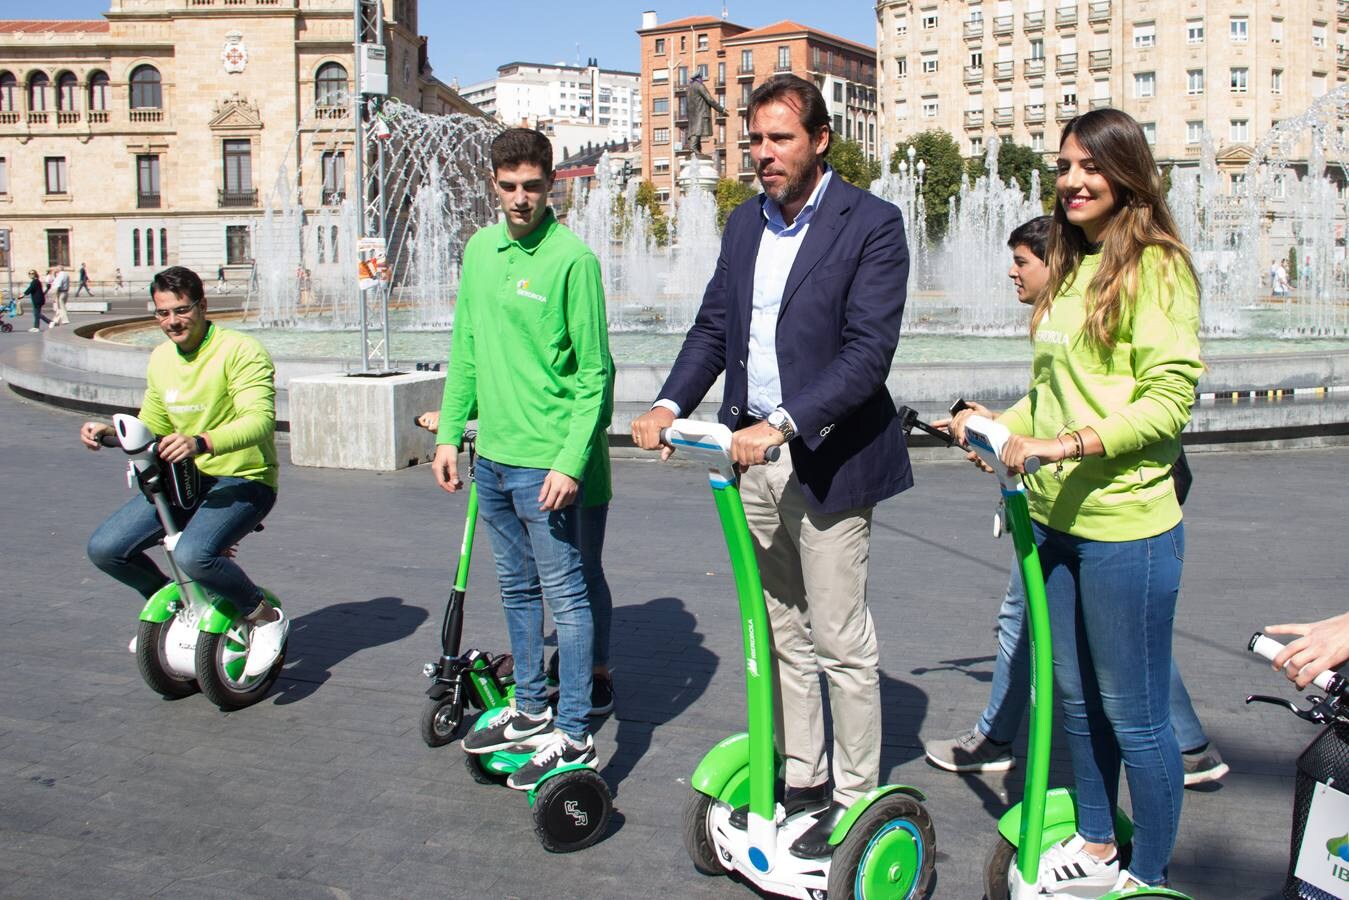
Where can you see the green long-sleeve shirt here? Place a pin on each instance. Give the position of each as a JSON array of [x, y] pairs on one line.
[[1137, 398], [224, 389], [530, 351]]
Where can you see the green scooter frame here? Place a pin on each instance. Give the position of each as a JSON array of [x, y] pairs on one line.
[[1043, 817], [885, 846]]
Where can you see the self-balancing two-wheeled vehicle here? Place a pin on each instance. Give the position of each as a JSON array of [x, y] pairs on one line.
[[190, 637], [885, 845], [1318, 859], [473, 678], [1044, 817]]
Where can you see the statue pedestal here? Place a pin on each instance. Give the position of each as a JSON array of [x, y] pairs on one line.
[[362, 422], [697, 173]]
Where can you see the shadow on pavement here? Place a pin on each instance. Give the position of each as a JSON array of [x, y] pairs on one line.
[[321, 639]]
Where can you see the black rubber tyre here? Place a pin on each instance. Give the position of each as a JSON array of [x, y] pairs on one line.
[[905, 819], [698, 836], [219, 655], [473, 763], [571, 811], [996, 869], [441, 720], [6, 327], [150, 660]]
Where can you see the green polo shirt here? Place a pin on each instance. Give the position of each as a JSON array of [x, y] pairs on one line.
[[530, 351]]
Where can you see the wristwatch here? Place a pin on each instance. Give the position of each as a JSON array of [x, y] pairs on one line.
[[779, 419], [200, 441]]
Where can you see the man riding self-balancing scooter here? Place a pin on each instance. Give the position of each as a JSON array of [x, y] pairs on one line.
[[884, 846]]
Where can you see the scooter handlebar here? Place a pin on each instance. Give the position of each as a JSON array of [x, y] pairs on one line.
[[109, 440], [1329, 681], [772, 454]]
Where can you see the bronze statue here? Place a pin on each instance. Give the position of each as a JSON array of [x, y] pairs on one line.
[[700, 106]]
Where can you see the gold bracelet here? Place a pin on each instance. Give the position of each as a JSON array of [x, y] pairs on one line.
[[1081, 448]]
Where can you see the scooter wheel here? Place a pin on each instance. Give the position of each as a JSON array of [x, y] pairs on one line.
[[7, 327], [440, 721], [998, 870], [698, 834], [571, 810], [220, 669], [473, 763], [153, 663], [889, 853]]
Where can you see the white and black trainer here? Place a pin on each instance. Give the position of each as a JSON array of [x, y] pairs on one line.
[[507, 729], [1068, 870], [554, 751]]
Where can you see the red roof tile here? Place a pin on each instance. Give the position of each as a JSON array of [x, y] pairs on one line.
[[53, 26], [789, 27]]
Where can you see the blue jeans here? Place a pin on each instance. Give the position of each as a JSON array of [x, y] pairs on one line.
[[538, 559], [1007, 700], [230, 509], [1111, 607], [593, 522]]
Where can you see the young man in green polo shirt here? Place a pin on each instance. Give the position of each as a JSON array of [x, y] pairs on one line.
[[530, 359], [209, 395]]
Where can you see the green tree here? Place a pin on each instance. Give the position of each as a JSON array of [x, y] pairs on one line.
[[730, 193], [660, 222], [850, 160], [941, 180], [1018, 162]]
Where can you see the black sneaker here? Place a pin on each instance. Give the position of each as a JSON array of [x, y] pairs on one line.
[[555, 750], [601, 694], [508, 728], [1203, 765]]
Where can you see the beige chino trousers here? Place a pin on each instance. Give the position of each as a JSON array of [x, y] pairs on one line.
[[814, 572]]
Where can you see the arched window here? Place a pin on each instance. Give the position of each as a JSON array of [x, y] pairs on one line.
[[330, 85], [146, 89], [67, 86], [98, 91], [38, 87], [9, 92], [163, 246], [332, 235], [149, 246], [135, 246]]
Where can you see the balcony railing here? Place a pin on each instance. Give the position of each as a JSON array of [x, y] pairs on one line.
[[37, 117], [9, 117], [1033, 21], [1003, 115], [1065, 16], [1035, 112], [333, 198], [98, 116], [147, 115], [1034, 66], [1099, 11], [744, 71], [238, 199], [67, 117], [1004, 69], [1065, 111], [1100, 102], [1099, 59], [1065, 63], [332, 112], [1003, 24], [974, 118], [147, 200], [974, 74], [974, 30]]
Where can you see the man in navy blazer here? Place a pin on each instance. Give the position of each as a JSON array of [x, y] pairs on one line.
[[803, 315]]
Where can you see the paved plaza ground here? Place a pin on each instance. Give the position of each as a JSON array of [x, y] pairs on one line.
[[325, 789]]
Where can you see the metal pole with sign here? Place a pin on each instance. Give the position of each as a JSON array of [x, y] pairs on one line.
[[372, 292]]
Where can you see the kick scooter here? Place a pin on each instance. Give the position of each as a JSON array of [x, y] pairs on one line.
[[1318, 859], [189, 637], [479, 679], [885, 846]]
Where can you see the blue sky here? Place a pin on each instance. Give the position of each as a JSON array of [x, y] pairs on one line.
[[470, 45]]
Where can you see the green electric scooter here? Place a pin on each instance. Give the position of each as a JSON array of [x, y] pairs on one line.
[[884, 847], [1043, 817]]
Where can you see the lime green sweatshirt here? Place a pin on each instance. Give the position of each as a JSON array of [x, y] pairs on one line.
[[1136, 398], [225, 390], [530, 351]]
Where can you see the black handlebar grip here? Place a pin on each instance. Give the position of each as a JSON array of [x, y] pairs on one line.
[[772, 454], [109, 440]]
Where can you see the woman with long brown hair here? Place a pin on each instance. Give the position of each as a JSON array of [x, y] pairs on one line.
[[1116, 361]]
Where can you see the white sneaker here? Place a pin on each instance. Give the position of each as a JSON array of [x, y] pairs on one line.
[[264, 645], [1068, 870], [34, 329]]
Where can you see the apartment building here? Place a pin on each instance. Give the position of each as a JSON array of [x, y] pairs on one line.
[[733, 60], [1019, 69], [150, 137], [606, 102]]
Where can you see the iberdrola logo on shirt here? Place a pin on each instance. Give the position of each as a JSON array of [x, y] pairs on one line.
[[522, 290]]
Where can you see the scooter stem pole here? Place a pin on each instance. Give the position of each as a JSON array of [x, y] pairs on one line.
[[758, 652], [1042, 687], [466, 548]]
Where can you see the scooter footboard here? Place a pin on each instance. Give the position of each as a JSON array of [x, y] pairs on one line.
[[1060, 820]]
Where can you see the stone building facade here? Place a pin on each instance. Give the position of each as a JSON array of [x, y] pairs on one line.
[[1021, 68], [551, 97], [733, 60], [153, 136]]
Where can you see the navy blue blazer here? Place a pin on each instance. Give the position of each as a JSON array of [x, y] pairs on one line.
[[836, 334]]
